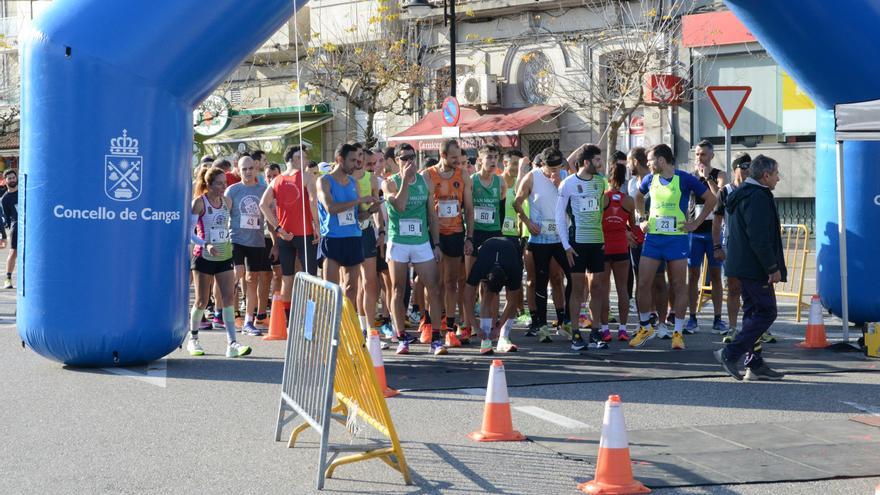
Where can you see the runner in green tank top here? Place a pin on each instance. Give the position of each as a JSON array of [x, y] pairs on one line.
[[411, 217]]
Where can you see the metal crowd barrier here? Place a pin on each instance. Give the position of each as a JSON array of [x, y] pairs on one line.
[[309, 366], [326, 357], [795, 239]]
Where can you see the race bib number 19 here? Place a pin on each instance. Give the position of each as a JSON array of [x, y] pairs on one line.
[[410, 227]]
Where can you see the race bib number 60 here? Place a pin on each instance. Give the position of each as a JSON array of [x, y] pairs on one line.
[[484, 214]]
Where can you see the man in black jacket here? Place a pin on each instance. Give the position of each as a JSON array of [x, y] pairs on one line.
[[755, 257]]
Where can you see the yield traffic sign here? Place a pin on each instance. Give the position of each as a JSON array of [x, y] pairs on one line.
[[451, 111], [729, 101]]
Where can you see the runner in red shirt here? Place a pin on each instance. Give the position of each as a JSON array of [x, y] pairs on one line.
[[294, 218], [618, 222]]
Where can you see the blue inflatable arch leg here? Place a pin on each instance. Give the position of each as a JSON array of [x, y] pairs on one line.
[[108, 90]]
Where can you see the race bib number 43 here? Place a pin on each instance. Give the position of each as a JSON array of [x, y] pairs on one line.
[[250, 222]]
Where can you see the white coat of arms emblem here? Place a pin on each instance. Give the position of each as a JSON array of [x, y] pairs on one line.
[[123, 169]]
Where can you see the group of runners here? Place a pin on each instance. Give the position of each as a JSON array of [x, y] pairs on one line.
[[434, 249]]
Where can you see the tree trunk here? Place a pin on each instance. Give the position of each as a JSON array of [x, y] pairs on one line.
[[369, 139], [611, 139]]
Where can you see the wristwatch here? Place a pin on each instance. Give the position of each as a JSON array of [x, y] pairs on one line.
[[277, 229]]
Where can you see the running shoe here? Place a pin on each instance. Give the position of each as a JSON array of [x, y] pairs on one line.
[[729, 336], [757, 347], [235, 349], [204, 324], [386, 330], [533, 330], [663, 332], [524, 318], [486, 347], [544, 335], [613, 319], [692, 326], [505, 345], [217, 322], [402, 347], [452, 340], [195, 348], [596, 341], [577, 342], [729, 366], [768, 338], [677, 341], [622, 335], [670, 318], [262, 323], [763, 372], [437, 348], [632, 307], [464, 335], [383, 345], [7, 284], [642, 336], [250, 329], [720, 327], [584, 320], [425, 332], [414, 317], [564, 330], [605, 335]]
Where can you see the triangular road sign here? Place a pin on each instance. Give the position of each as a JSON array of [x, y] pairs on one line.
[[729, 101]]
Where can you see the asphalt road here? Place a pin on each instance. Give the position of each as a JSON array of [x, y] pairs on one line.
[[205, 425]]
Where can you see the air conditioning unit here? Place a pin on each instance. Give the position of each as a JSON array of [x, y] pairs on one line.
[[477, 90]]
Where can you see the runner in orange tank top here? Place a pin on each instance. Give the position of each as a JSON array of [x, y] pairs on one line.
[[453, 196]]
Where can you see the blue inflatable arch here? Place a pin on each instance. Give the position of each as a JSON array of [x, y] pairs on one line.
[[826, 46], [108, 89]]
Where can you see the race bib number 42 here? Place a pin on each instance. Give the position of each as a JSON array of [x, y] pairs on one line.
[[346, 218], [411, 227], [448, 208], [484, 214]]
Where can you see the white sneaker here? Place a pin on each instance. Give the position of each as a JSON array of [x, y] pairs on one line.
[[235, 350], [195, 348], [663, 331]]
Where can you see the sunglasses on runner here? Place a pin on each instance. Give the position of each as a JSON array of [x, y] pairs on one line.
[[407, 158]]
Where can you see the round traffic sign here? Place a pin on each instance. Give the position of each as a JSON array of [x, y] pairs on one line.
[[451, 111]]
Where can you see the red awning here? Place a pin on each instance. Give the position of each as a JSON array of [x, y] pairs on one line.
[[501, 127]]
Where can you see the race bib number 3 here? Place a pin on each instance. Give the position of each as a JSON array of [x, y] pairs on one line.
[[218, 235], [448, 208], [665, 224], [346, 218], [410, 227], [250, 222], [548, 227], [585, 205], [484, 214]]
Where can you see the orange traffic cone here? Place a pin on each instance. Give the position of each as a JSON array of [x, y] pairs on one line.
[[497, 423], [614, 474], [379, 364], [815, 338], [278, 320]]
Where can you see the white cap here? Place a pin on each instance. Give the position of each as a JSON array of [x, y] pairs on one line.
[[325, 167]]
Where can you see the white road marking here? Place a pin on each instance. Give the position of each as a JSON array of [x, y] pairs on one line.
[[552, 417], [872, 410], [156, 373]]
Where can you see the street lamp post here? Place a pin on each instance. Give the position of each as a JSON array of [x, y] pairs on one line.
[[421, 9]]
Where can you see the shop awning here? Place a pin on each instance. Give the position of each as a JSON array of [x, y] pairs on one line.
[[270, 131], [501, 127]]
